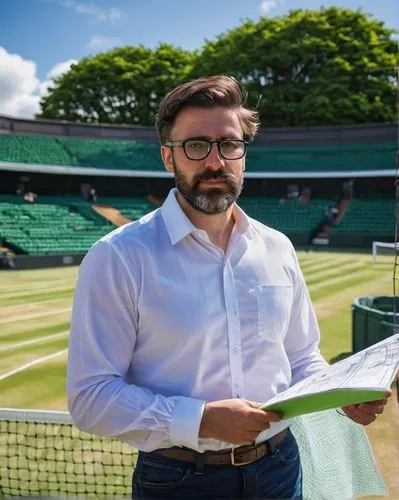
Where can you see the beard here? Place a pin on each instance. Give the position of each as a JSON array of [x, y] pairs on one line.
[[214, 200]]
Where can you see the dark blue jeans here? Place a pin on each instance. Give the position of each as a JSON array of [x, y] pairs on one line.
[[277, 475]]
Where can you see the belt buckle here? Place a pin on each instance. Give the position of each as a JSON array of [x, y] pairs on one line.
[[233, 460]]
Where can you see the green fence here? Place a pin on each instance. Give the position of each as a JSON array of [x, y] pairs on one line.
[[372, 320]]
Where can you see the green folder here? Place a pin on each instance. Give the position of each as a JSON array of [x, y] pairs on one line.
[[335, 398]]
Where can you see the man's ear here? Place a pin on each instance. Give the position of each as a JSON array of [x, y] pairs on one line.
[[167, 158]]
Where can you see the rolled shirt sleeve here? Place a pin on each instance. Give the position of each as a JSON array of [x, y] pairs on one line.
[[101, 344]]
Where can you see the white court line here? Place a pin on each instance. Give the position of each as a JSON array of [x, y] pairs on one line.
[[32, 363], [34, 341], [18, 317]]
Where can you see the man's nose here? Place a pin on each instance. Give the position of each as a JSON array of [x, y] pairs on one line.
[[214, 160]]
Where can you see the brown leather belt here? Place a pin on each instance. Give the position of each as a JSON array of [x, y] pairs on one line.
[[232, 456]]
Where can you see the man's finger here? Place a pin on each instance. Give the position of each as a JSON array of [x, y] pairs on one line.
[[371, 408], [263, 416], [358, 416], [272, 416]]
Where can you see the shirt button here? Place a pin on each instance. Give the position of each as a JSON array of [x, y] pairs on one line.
[[234, 312], [236, 349]]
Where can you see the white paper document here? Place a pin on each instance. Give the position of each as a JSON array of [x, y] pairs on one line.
[[372, 369]]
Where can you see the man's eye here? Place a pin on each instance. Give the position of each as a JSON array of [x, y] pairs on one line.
[[231, 144], [197, 145]]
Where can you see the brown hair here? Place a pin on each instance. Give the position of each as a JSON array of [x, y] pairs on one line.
[[206, 92]]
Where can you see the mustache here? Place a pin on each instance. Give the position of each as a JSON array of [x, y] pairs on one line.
[[213, 174]]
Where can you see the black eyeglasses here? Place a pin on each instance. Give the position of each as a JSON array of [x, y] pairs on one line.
[[199, 149]]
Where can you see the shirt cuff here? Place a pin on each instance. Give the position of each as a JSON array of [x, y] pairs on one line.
[[186, 421]]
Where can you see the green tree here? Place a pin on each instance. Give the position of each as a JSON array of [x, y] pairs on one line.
[[332, 66], [124, 85]]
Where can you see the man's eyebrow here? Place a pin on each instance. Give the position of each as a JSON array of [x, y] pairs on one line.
[[208, 138]]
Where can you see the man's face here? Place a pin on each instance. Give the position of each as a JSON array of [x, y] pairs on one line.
[[213, 184]]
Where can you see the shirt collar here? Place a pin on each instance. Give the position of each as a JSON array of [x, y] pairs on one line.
[[179, 225], [176, 221], [241, 221]]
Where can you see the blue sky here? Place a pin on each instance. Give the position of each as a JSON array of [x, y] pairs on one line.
[[40, 38]]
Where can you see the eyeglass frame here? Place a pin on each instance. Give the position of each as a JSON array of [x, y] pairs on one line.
[[183, 143]]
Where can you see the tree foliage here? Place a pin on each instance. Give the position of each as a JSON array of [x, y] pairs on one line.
[[124, 85], [331, 66]]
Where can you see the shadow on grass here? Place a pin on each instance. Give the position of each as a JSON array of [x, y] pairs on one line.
[[340, 357]]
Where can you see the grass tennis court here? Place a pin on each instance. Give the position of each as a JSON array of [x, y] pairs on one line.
[[35, 309]]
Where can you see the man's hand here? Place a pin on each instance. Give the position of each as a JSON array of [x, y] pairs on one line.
[[236, 421], [365, 413]]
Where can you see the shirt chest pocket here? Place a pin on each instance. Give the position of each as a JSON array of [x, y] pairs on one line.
[[274, 308]]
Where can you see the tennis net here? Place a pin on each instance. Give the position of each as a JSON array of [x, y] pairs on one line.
[[43, 455]]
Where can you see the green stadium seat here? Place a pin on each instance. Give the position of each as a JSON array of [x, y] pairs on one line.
[[47, 228], [133, 155]]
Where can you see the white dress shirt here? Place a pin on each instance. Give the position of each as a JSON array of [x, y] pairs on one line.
[[163, 321]]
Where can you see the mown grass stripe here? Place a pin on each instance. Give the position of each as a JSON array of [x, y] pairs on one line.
[[319, 266], [22, 292], [43, 321], [313, 278], [37, 297], [37, 275], [33, 286], [340, 302], [342, 283], [312, 265], [44, 388], [21, 336], [27, 317], [339, 278]]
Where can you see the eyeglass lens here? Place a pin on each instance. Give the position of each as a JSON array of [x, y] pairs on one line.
[[230, 150]]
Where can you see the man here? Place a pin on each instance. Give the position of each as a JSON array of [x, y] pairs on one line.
[[185, 321]]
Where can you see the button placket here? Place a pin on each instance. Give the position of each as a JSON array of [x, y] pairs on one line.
[[233, 330]]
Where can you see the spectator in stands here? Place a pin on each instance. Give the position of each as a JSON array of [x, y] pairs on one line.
[[304, 197], [185, 321], [30, 197], [6, 260], [3, 260], [89, 193], [292, 191], [347, 190], [331, 215], [92, 195]]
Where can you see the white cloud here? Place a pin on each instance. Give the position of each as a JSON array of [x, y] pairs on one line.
[[56, 71], [267, 5], [18, 85], [94, 11], [20, 88], [99, 42], [61, 68]]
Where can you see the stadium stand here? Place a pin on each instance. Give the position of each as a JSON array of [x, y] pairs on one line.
[[53, 160], [59, 224], [34, 149], [134, 155], [69, 224], [289, 217], [47, 228], [342, 158], [369, 216]]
